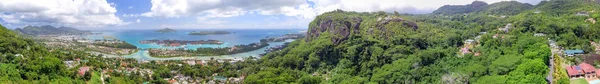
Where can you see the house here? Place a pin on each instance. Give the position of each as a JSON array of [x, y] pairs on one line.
[[469, 41], [573, 52], [582, 13], [574, 71], [582, 70], [82, 70], [506, 28], [588, 69], [539, 34]]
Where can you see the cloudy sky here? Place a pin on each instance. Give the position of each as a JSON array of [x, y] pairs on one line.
[[198, 14]]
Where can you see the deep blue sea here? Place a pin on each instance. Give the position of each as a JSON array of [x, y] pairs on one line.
[[238, 37]]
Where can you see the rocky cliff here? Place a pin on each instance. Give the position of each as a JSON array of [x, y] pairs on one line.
[[342, 26]]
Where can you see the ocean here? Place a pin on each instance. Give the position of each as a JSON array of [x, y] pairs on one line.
[[238, 37]]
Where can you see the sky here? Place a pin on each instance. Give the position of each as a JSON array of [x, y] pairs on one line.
[[198, 14]]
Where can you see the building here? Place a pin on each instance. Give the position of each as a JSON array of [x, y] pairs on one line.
[[574, 71], [469, 41], [539, 34], [82, 70], [573, 52], [582, 70], [582, 13]]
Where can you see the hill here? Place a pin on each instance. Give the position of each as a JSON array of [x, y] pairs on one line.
[[506, 8], [460, 9], [350, 47], [49, 30], [499, 8]]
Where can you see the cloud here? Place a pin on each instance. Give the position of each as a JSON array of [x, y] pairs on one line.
[[138, 21], [217, 8], [403, 6], [130, 7], [76, 13]]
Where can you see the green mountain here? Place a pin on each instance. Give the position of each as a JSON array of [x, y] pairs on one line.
[[567, 7], [460, 9], [499, 8], [351, 47], [49, 30], [506, 8]]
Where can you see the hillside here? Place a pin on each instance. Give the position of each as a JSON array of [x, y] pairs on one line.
[[506, 8], [49, 30], [349, 47], [499, 8], [460, 9]]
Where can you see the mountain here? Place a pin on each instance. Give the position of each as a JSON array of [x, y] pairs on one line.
[[460, 9], [499, 8], [567, 7], [49, 30], [506, 8]]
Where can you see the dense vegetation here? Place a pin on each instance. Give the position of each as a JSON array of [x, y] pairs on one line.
[[500, 8], [121, 44], [380, 48], [23, 61]]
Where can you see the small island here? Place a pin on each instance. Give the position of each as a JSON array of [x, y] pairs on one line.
[[207, 51], [180, 42], [209, 33], [166, 30]]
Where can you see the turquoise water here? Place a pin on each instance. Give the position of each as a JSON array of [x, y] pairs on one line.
[[238, 37], [595, 82]]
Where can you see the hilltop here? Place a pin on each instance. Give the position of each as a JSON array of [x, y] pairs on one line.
[[499, 8]]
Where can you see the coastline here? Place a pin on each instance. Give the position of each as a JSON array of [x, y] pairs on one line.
[[144, 54]]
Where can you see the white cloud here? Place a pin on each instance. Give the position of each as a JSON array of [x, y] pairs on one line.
[[138, 21], [404, 6], [218, 8], [76, 13]]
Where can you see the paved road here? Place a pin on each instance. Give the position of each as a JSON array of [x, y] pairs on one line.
[[554, 50]]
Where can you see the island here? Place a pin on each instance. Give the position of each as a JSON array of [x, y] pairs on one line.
[[283, 38], [180, 42], [209, 33], [181, 52], [166, 30]]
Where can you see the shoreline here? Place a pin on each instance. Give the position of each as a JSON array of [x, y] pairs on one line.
[[144, 54]]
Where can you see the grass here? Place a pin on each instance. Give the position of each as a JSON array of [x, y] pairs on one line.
[[579, 81]]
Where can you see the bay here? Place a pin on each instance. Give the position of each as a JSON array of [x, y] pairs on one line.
[[238, 37]]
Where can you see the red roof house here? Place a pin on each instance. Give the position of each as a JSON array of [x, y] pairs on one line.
[[574, 71], [587, 68], [82, 70], [584, 69]]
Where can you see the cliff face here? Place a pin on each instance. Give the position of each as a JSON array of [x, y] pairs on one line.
[[341, 27]]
